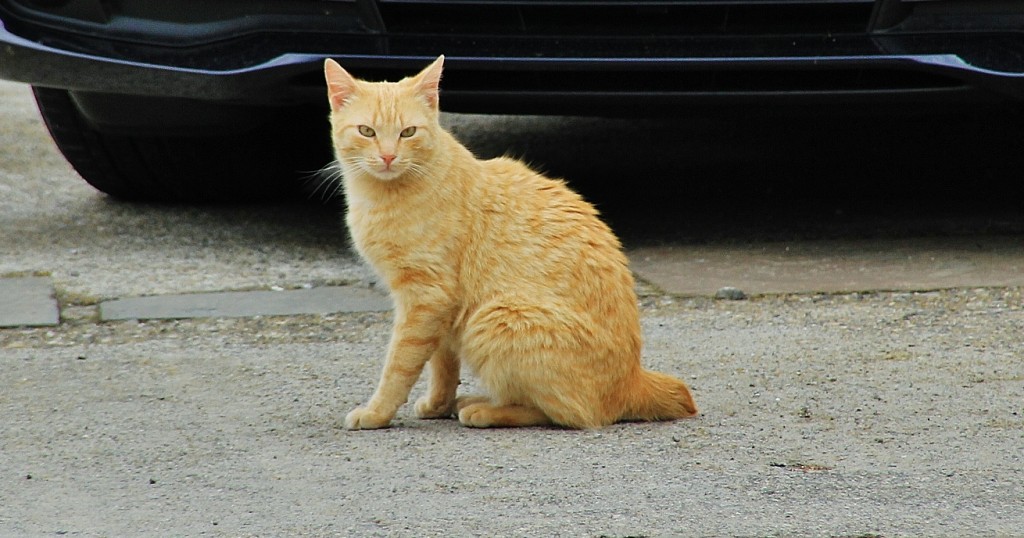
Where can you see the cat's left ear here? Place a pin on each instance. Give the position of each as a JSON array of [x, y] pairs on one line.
[[428, 82]]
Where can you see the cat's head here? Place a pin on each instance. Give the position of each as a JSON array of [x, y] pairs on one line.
[[384, 129]]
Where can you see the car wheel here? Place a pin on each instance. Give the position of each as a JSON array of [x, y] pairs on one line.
[[272, 161]]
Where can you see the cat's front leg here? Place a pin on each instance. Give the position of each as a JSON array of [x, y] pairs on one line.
[[416, 336]]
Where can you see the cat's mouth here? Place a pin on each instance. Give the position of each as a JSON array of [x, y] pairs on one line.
[[385, 172]]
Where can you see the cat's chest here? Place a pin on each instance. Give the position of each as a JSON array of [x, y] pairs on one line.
[[392, 236]]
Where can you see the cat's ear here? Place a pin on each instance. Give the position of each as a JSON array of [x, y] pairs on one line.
[[340, 84], [428, 82]]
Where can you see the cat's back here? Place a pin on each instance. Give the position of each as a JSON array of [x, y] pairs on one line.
[[506, 169], [541, 232], [527, 195]]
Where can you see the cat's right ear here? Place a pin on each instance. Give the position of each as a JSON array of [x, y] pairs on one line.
[[340, 84]]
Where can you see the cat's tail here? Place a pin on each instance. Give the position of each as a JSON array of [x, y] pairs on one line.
[[657, 396]]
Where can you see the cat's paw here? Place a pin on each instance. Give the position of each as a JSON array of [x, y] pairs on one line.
[[476, 415], [488, 415], [362, 418], [427, 408]]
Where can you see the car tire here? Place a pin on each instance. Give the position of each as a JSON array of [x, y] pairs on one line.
[[274, 161]]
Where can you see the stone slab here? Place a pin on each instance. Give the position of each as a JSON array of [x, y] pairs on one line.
[[28, 302], [834, 266], [324, 300]]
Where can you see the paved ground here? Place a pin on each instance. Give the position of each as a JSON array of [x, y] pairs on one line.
[[864, 412]]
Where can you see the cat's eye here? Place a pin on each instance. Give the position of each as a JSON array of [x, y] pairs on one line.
[[407, 132], [367, 131]]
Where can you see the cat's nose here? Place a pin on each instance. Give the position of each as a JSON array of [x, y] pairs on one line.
[[387, 159]]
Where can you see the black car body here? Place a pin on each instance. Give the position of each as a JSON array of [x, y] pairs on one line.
[[138, 93]]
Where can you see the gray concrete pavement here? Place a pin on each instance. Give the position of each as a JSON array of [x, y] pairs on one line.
[[28, 302], [325, 300], [836, 266], [894, 413]]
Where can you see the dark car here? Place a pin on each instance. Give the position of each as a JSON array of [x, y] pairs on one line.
[[224, 99]]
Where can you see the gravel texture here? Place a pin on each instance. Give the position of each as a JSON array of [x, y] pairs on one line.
[[853, 415]]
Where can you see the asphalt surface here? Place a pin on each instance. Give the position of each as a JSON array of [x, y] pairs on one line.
[[892, 413]]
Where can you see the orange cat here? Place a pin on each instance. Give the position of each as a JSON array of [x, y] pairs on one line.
[[489, 264]]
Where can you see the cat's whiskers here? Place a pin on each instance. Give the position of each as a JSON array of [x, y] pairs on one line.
[[416, 170], [328, 179], [353, 163]]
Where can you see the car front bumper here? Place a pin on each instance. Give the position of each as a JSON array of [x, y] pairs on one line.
[[672, 55]]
